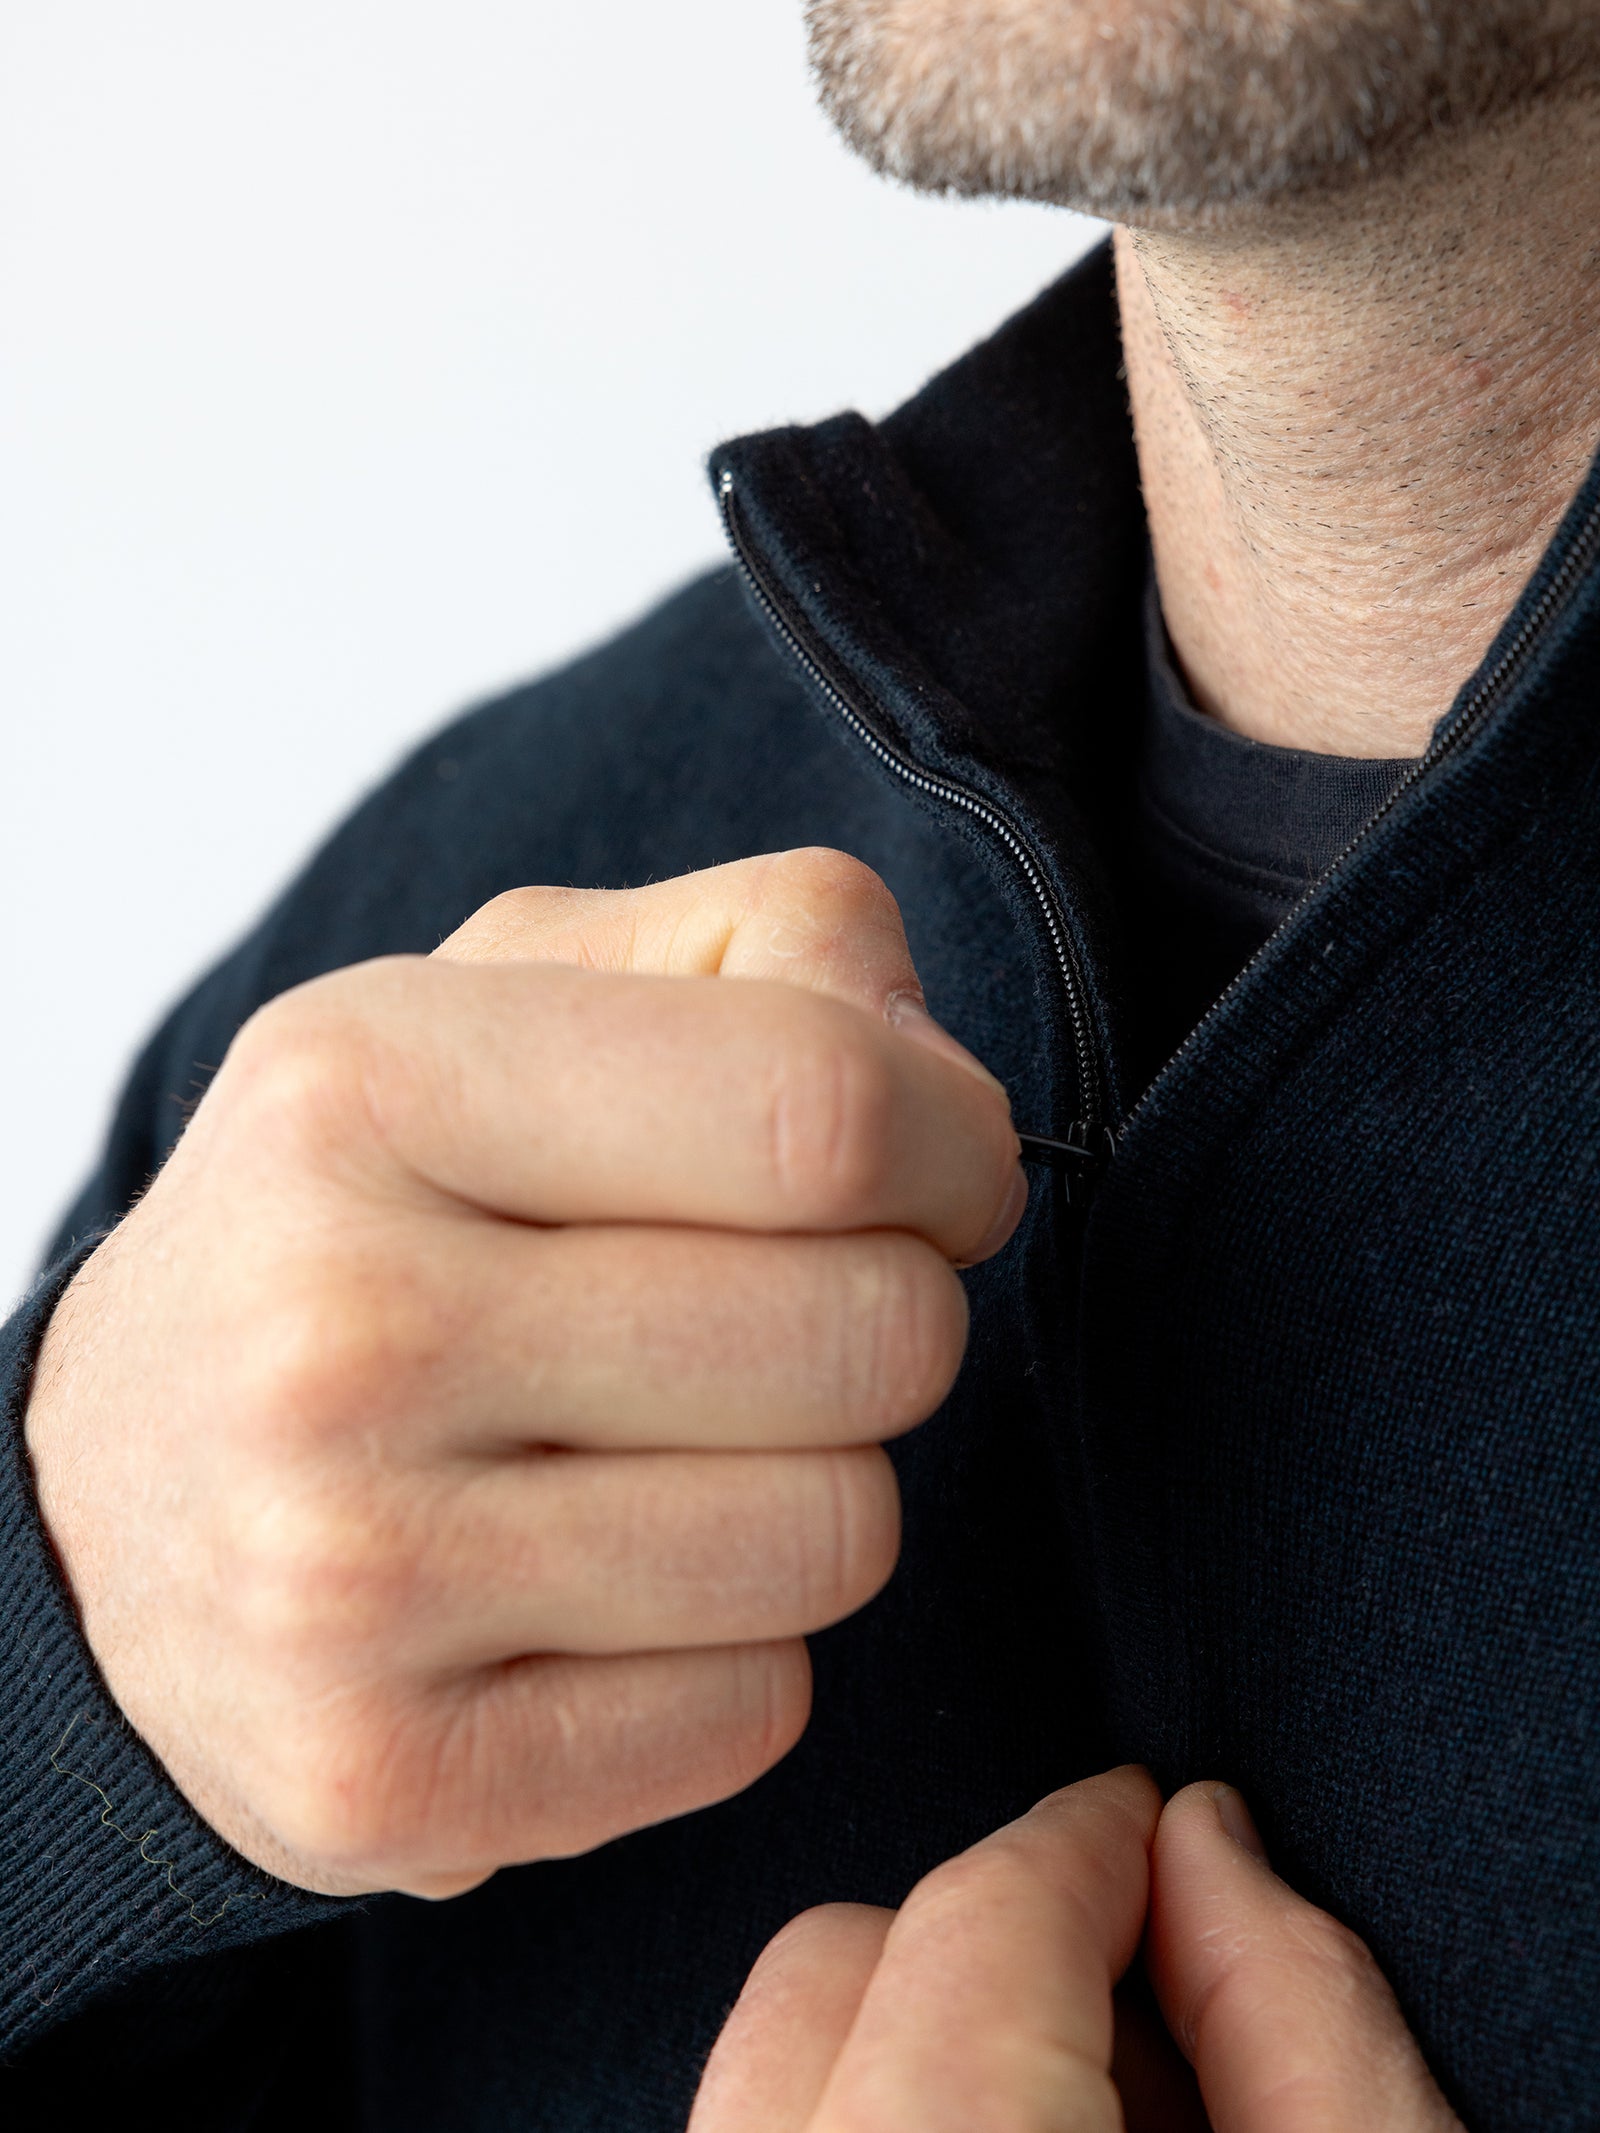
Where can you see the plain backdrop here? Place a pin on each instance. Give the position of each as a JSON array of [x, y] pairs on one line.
[[358, 357]]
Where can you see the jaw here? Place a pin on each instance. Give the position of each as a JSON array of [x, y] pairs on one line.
[[1180, 114]]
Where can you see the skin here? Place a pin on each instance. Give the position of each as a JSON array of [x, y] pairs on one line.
[[989, 1998], [1364, 383], [1359, 423], [451, 1450], [1361, 294], [468, 1502]]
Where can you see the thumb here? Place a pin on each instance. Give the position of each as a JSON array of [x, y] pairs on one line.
[[1282, 2010]]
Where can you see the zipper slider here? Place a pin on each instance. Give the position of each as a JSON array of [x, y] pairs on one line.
[[1081, 1160]]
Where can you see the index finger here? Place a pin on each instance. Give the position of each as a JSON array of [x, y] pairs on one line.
[[991, 2003], [814, 917], [555, 1095]]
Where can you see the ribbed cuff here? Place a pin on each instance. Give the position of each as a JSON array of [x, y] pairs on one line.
[[105, 1869]]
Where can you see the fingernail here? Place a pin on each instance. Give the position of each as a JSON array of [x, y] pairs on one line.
[[906, 1013], [1000, 1230], [1236, 1819]]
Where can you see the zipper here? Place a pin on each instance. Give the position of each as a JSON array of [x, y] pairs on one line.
[[1452, 733], [1082, 1152], [1091, 1141]]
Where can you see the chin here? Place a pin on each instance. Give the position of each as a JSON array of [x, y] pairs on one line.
[[1172, 112]]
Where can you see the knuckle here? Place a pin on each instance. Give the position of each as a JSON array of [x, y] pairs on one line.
[[829, 1118], [354, 1801], [828, 881], [970, 1885], [318, 1584], [516, 924], [298, 1066], [1295, 1950], [328, 1355], [1337, 1953], [512, 910]]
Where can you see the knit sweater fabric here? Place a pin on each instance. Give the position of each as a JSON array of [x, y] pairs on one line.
[[1276, 1453]]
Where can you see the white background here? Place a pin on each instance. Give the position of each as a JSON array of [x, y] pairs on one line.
[[356, 357]]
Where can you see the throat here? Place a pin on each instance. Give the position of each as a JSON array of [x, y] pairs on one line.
[[1359, 421]]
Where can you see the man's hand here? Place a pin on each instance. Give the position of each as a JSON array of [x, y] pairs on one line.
[[450, 1451], [984, 2002], [1281, 2010], [987, 1999]]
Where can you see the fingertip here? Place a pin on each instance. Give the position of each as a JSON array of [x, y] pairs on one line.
[[907, 1012], [1101, 1828], [1209, 1810], [866, 1543], [1238, 1822], [774, 1681], [1004, 1226], [1137, 1793], [1128, 1793]]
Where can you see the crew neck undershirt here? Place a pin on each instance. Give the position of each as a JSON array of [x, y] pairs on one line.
[[1229, 835]]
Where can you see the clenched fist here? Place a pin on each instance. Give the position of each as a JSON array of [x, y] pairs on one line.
[[451, 1450]]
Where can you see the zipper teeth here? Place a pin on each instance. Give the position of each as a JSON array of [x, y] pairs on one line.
[[942, 789], [1457, 730]]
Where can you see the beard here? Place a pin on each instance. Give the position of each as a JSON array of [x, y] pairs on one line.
[[1168, 112]]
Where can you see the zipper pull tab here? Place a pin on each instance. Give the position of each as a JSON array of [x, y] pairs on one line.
[[1082, 1158]]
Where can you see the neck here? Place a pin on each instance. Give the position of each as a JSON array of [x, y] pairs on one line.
[[1359, 422]]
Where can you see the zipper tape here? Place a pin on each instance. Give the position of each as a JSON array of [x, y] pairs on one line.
[[1085, 1146]]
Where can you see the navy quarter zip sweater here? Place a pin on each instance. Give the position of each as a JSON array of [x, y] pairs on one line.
[[1276, 1454]]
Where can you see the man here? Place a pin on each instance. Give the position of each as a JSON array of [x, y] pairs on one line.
[[438, 1470]]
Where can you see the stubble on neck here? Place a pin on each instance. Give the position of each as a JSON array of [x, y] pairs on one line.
[[1360, 418]]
